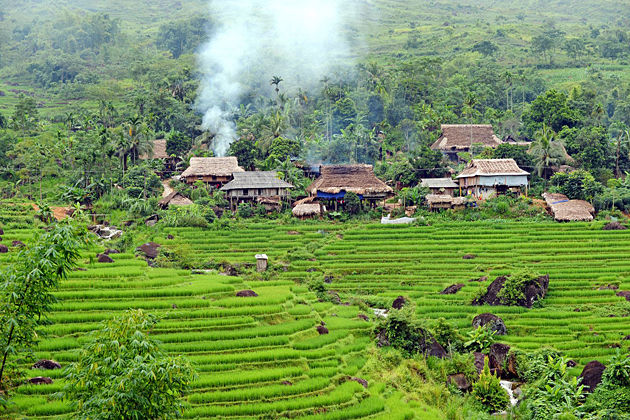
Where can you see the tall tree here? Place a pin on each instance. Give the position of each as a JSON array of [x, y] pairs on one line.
[[546, 151]]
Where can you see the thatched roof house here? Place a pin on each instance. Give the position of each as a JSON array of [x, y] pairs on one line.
[[158, 152], [337, 180], [306, 211], [565, 210], [214, 170], [174, 199], [458, 138], [488, 177], [257, 185], [439, 185]]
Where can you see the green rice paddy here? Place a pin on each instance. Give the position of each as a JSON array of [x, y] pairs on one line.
[[263, 357]]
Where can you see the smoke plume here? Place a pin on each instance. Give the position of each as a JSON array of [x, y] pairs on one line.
[[254, 40]]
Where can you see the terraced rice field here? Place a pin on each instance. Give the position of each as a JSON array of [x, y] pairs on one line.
[[262, 356]]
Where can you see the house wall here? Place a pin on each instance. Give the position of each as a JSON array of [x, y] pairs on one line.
[[443, 191], [257, 192], [508, 180], [209, 179]]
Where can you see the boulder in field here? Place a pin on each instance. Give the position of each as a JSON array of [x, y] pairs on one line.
[[3, 249], [150, 249], [479, 359], [287, 383], [40, 380], [1, 231], [361, 381], [436, 350], [399, 302], [363, 317], [102, 258], [497, 357], [614, 226], [491, 321], [460, 381], [18, 244], [624, 294], [469, 257], [246, 293], [111, 251], [46, 364], [452, 289], [592, 375], [322, 330], [531, 290], [170, 237]]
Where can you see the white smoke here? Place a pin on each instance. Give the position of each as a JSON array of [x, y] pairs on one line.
[[254, 40]]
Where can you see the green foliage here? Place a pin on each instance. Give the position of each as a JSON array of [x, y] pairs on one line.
[[513, 289], [123, 373], [177, 143], [352, 203], [182, 36], [445, 334], [245, 211], [27, 289], [245, 151], [141, 181], [488, 391], [480, 339], [403, 331], [617, 370], [551, 109], [577, 185], [186, 216]]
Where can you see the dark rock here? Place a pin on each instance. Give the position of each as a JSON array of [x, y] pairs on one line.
[[170, 237], [533, 290], [311, 270], [479, 358], [480, 279], [111, 251], [460, 381], [363, 317], [18, 244], [577, 310], [614, 226], [512, 366], [102, 258], [150, 223], [150, 249], [328, 279], [174, 306], [571, 363], [46, 364], [41, 380], [469, 257], [436, 350], [3, 249], [497, 356], [452, 289], [153, 218], [358, 380], [79, 269], [1, 231], [322, 330], [399, 302], [288, 383], [608, 287], [592, 375], [334, 297], [627, 337], [491, 321], [246, 293], [381, 338], [624, 294]]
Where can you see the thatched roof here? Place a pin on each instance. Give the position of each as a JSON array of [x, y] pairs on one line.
[[438, 183], [359, 179], [491, 167], [433, 199], [212, 166], [565, 210], [306, 210], [174, 199], [307, 200], [253, 180], [159, 151], [456, 137]]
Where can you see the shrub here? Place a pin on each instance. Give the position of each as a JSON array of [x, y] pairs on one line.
[[188, 216], [245, 211], [480, 339], [488, 391], [513, 289], [352, 203], [403, 331]]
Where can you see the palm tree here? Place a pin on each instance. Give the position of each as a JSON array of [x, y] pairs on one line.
[[276, 80], [139, 141], [547, 152]]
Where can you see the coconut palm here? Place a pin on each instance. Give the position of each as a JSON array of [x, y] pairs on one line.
[[547, 152], [275, 81]]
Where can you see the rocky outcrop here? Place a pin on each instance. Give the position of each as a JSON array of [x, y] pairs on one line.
[[614, 226], [436, 350], [18, 244], [479, 359], [40, 380], [452, 289], [150, 250], [361, 381], [460, 381], [399, 302], [497, 358], [469, 257], [624, 294], [363, 317], [246, 293], [491, 321], [592, 375], [4, 249], [102, 258], [46, 364], [110, 251], [321, 330], [532, 290]]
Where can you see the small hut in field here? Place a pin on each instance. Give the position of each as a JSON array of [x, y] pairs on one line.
[[439, 186], [336, 181], [215, 171], [174, 199], [307, 208], [458, 138], [265, 188], [439, 202], [565, 210]]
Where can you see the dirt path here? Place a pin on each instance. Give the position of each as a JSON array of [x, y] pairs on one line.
[[167, 188]]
